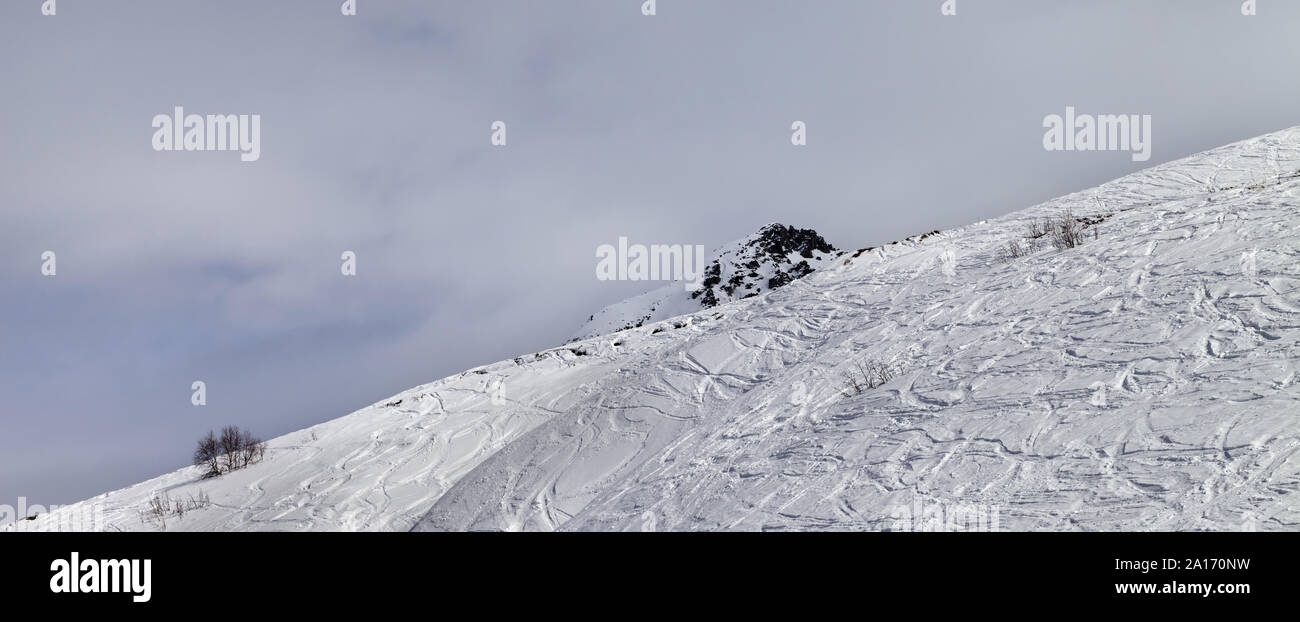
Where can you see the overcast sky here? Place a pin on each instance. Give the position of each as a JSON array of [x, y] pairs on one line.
[[183, 266]]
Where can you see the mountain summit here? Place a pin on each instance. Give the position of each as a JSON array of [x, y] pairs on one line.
[[770, 258]]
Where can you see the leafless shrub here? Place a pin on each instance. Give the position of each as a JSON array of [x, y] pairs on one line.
[[878, 373], [1037, 228], [162, 506], [1066, 231], [852, 385], [1012, 250], [158, 505], [869, 375], [1063, 231]]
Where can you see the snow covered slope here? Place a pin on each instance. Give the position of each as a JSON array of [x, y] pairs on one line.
[[1146, 379], [770, 258]]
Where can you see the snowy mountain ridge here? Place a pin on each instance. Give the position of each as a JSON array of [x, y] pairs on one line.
[[1146, 379]]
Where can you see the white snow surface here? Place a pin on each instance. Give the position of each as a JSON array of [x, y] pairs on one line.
[[1146, 380]]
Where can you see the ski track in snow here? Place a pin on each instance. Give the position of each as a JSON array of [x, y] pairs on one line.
[[1145, 380]]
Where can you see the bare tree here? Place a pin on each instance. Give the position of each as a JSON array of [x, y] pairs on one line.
[[231, 442], [233, 449], [207, 455], [251, 448]]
